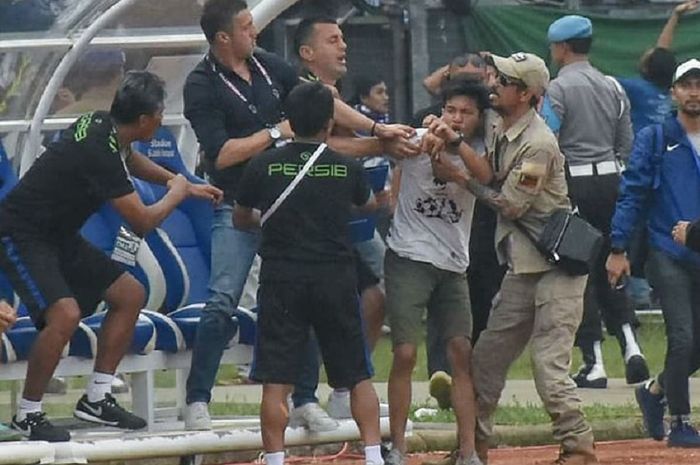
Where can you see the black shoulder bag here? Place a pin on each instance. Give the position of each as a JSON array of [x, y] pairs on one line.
[[568, 241]]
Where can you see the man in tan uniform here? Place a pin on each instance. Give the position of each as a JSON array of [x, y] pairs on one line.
[[537, 302]]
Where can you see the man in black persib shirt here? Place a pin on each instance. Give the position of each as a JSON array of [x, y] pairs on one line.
[[58, 275], [308, 277]]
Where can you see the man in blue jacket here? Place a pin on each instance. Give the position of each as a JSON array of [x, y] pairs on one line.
[[663, 180]]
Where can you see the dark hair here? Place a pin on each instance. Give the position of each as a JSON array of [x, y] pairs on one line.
[[467, 88], [140, 93], [94, 69], [659, 67], [363, 86], [305, 30], [580, 46], [217, 16], [309, 107]]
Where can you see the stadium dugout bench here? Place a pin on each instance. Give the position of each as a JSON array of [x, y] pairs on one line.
[[173, 265]]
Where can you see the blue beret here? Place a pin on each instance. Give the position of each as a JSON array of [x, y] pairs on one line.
[[570, 27]]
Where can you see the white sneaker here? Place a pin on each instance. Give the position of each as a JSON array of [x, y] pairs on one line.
[[119, 384], [197, 417], [395, 457], [57, 385], [313, 417], [339, 406]]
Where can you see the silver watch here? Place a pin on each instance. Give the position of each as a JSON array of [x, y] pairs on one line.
[[275, 133]]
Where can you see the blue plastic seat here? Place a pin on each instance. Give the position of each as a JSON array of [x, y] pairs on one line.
[[143, 342], [247, 320], [169, 337], [22, 335], [8, 177], [188, 227], [101, 230], [8, 180], [187, 319]]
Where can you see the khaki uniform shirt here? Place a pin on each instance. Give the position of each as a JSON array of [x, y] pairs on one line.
[[529, 168]]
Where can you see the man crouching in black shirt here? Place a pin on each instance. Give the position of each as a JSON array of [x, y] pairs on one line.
[[61, 277], [307, 276]]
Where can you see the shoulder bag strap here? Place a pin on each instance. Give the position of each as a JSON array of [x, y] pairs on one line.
[[292, 185]]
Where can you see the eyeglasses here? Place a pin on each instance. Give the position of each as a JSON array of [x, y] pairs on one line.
[[506, 81]]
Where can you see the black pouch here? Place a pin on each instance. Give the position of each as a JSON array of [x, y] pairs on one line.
[[570, 242]]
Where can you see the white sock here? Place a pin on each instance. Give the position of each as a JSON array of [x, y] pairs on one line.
[[598, 352], [99, 385], [373, 455], [631, 346], [274, 458], [27, 406], [340, 392], [654, 386]]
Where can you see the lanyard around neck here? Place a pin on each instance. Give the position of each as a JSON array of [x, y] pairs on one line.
[[251, 106]]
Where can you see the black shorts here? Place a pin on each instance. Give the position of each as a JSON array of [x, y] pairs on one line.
[[42, 272], [365, 276], [286, 312]]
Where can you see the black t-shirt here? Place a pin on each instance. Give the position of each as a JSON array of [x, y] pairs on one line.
[[309, 231], [69, 181], [218, 114]]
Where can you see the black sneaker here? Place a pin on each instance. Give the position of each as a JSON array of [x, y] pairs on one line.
[[37, 427], [107, 412], [591, 376], [636, 370], [653, 407], [683, 434]]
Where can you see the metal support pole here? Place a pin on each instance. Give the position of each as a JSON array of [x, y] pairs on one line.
[[419, 53], [402, 81], [31, 148]]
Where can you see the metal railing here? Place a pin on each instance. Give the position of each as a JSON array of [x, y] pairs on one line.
[[263, 11]]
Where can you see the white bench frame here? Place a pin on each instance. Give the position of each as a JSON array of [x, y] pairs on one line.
[[142, 369]]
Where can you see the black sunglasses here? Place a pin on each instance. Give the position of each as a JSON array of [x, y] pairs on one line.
[[506, 81], [469, 59]]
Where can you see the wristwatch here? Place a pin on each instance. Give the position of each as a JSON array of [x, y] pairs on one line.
[[275, 133], [453, 144], [617, 251]]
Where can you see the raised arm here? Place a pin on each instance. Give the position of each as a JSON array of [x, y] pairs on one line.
[[143, 219], [144, 168], [397, 148], [434, 81], [347, 117], [209, 123], [665, 39]]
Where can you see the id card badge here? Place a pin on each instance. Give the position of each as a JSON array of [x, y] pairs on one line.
[[126, 247]]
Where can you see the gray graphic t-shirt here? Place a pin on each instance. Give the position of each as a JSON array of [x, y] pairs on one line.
[[433, 219]]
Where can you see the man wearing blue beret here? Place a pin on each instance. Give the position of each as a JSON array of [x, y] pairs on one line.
[[595, 134]]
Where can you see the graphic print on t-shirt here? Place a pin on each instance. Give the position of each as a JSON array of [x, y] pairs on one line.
[[85, 122], [317, 170], [440, 205]]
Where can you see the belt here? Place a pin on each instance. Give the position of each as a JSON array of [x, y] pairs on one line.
[[600, 168]]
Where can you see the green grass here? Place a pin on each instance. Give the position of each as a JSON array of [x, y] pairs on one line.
[[651, 336], [533, 414], [513, 414]]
